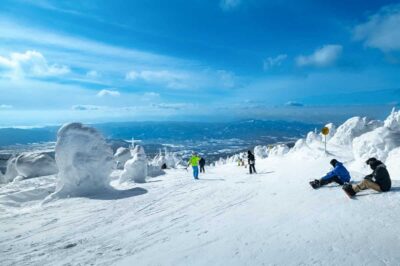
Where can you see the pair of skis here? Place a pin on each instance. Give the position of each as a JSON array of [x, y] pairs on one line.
[[347, 187]]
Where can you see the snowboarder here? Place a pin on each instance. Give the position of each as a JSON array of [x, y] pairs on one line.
[[339, 175], [379, 180], [252, 161], [194, 162], [202, 163]]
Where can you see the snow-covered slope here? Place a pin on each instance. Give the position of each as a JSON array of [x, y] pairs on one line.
[[228, 217]]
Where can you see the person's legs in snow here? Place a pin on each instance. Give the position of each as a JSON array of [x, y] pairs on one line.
[[335, 179], [202, 170], [366, 184], [196, 172], [252, 169]]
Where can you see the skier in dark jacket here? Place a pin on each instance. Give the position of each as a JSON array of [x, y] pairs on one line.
[[339, 175], [202, 163], [379, 180], [252, 161]]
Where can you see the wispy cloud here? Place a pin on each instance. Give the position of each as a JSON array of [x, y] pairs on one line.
[[178, 79], [271, 62], [381, 30], [322, 57], [151, 94], [5, 106], [172, 106], [227, 5], [93, 74], [112, 93], [12, 31], [87, 107], [294, 104], [31, 64], [171, 79]]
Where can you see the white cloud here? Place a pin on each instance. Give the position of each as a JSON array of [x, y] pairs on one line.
[[112, 93], [12, 31], [274, 61], [294, 104], [226, 78], [92, 74], [171, 79], [176, 79], [31, 64], [322, 57], [151, 94], [171, 106], [382, 30], [87, 107], [5, 106], [229, 4]]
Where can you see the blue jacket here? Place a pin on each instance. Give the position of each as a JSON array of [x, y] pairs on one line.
[[339, 171]]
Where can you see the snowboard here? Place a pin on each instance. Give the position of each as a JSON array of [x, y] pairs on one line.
[[348, 189]]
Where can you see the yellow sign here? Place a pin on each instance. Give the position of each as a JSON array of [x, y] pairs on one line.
[[325, 131]]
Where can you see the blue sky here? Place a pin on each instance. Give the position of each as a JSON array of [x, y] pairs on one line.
[[188, 60]]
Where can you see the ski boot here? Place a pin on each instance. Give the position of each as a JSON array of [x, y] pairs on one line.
[[348, 188], [315, 184]]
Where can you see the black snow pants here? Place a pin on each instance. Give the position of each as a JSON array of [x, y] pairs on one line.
[[252, 168], [202, 169], [335, 179]]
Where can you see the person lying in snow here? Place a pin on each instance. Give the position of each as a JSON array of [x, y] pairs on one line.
[[339, 175], [379, 180]]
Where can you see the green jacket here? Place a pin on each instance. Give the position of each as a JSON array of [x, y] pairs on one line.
[[194, 161]]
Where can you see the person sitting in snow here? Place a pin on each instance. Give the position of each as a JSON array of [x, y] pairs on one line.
[[339, 175], [379, 180], [194, 162]]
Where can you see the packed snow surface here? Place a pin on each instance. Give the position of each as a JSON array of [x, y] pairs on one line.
[[84, 159], [228, 217]]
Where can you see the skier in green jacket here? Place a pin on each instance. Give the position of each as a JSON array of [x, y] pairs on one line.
[[194, 162]]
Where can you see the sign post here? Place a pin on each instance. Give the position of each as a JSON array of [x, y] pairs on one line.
[[325, 132]]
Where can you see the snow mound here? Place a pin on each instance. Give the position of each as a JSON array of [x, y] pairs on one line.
[[170, 159], [154, 170], [11, 171], [379, 142], [32, 164], [261, 152], [84, 160], [313, 137], [392, 163], [299, 145], [352, 128], [279, 150], [392, 122], [121, 156], [136, 168]]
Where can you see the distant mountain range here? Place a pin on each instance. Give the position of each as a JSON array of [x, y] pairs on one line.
[[178, 131]]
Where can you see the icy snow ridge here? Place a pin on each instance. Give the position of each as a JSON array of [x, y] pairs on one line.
[[84, 159], [33, 164], [352, 128]]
